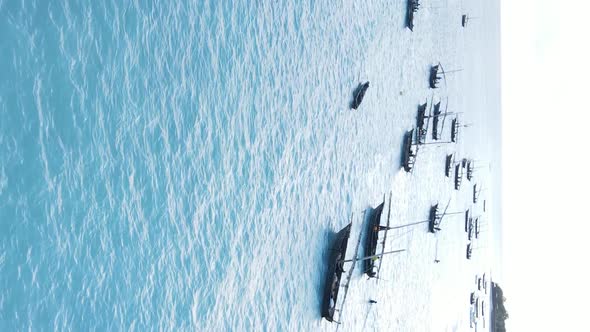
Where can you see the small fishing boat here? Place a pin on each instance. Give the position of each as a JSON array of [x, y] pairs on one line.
[[359, 94], [470, 169], [422, 121], [409, 152], [435, 119], [412, 7], [435, 76], [475, 193], [433, 219], [469, 251], [458, 176], [372, 239], [454, 130], [334, 273], [449, 161]]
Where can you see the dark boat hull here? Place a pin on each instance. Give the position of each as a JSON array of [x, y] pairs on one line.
[[432, 81], [448, 165], [334, 273], [372, 240], [432, 219], [408, 156], [410, 15], [359, 95], [435, 114], [421, 116], [458, 176]]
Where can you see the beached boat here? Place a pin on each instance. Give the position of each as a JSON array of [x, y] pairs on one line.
[[454, 130], [372, 239], [433, 219], [409, 152], [359, 94], [449, 161], [412, 7], [458, 176], [475, 193], [436, 113], [435, 76], [422, 121], [470, 169]]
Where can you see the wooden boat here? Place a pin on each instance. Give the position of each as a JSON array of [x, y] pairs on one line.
[[359, 94], [334, 273]]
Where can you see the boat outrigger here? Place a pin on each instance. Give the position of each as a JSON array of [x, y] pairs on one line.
[[359, 94], [412, 7], [465, 19]]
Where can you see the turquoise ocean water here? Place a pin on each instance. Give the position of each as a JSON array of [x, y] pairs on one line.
[[182, 165]]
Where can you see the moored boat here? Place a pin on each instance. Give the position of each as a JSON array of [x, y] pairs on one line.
[[449, 164], [372, 240], [334, 273], [412, 7], [433, 219], [409, 152]]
